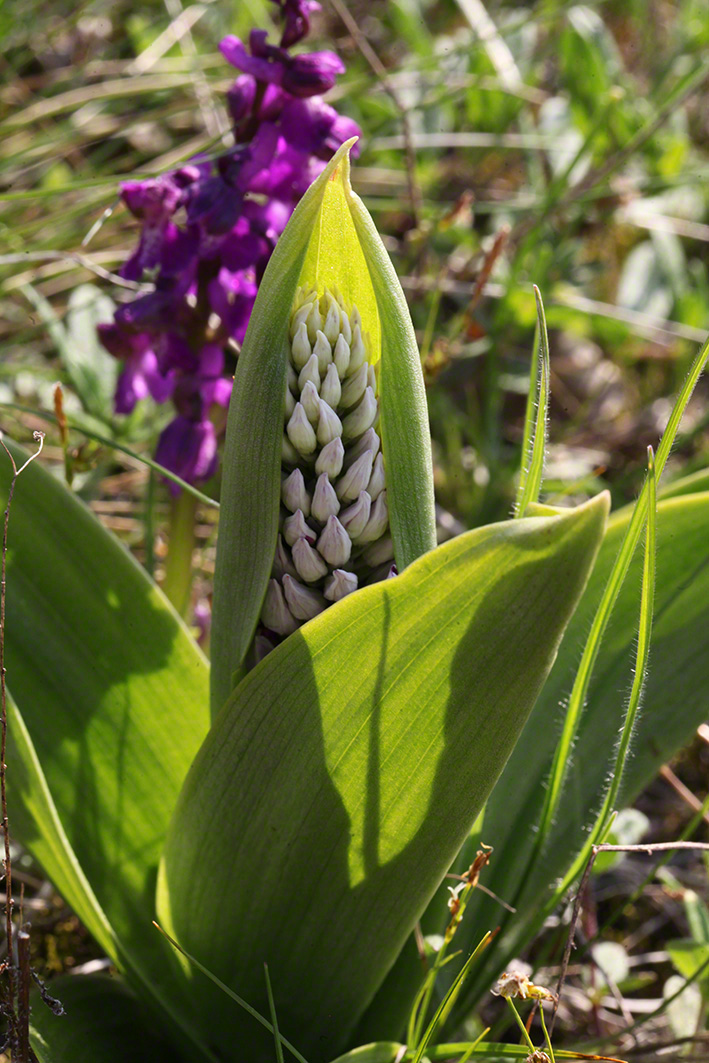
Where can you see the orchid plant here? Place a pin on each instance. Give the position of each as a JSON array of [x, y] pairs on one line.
[[368, 689], [378, 709]]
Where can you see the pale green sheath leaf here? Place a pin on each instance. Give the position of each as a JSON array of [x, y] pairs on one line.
[[112, 705], [343, 775], [330, 242], [104, 1023]]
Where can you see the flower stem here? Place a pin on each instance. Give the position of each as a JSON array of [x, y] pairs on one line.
[[523, 1028], [178, 565]]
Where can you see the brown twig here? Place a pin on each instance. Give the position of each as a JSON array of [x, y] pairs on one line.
[[654, 847], [381, 73], [16, 1028]]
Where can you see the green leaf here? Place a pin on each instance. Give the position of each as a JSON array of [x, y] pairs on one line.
[[535, 427], [674, 704], [344, 773], [250, 496], [689, 956], [330, 241], [91, 369], [104, 1023], [112, 692], [406, 441]]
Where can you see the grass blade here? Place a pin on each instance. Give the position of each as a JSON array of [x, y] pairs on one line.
[[274, 1018], [577, 699], [106, 441], [535, 429], [444, 1008], [235, 997]]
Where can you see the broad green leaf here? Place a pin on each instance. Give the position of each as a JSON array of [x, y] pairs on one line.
[[112, 692], [675, 702], [104, 1023], [330, 241], [34, 818], [345, 771]]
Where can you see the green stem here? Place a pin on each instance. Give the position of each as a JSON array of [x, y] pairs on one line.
[[547, 1038], [523, 1028], [178, 566]]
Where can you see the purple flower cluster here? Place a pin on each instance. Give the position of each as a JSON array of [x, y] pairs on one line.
[[207, 233]]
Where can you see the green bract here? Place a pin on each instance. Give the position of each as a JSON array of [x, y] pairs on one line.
[[330, 243]]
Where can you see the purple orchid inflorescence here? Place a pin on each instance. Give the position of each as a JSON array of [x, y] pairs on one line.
[[208, 230]]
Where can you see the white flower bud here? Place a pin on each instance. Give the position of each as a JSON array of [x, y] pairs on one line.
[[341, 356], [379, 552], [292, 378], [300, 347], [334, 544], [369, 441], [372, 378], [294, 494], [323, 351], [361, 418], [331, 328], [330, 459], [308, 562], [325, 503], [303, 602], [282, 563], [299, 318], [275, 614], [358, 351], [355, 517], [311, 402], [377, 482], [289, 455], [314, 322], [356, 478], [377, 523], [353, 387], [289, 404], [329, 425], [331, 389], [355, 318], [296, 527], [345, 326], [300, 431], [310, 371], [339, 585]]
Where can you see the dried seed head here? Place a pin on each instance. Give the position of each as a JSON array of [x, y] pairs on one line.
[[333, 468]]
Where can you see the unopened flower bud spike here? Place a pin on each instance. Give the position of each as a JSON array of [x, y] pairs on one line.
[[328, 320]]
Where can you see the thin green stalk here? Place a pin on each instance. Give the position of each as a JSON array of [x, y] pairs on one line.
[[178, 566], [547, 1038], [444, 1008], [274, 1019], [523, 1028], [148, 523], [230, 993], [469, 1051], [531, 480]]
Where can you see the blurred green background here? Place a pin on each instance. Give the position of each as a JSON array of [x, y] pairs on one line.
[[504, 144]]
